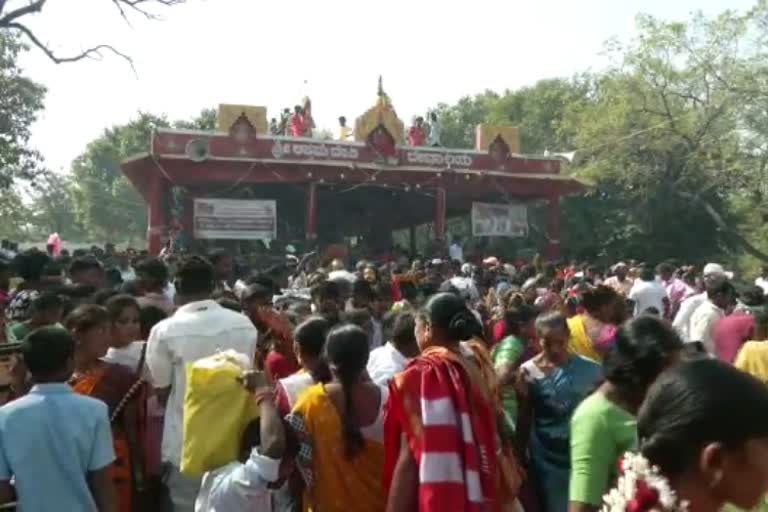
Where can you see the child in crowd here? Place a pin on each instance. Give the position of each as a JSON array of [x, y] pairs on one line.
[[266, 459], [55, 436]]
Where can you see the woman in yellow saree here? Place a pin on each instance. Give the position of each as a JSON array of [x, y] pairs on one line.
[[339, 427], [592, 331]]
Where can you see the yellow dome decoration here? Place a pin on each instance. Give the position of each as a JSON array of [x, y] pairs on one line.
[[383, 113]]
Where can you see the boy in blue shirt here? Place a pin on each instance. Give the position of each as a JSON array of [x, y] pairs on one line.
[[56, 444]]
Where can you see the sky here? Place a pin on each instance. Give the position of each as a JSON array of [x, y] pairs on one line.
[[272, 53]]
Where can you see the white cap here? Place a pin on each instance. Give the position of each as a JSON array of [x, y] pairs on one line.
[[715, 269]]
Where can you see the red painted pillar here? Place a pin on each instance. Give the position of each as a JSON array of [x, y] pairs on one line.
[[552, 251], [311, 223], [440, 203], [156, 221]]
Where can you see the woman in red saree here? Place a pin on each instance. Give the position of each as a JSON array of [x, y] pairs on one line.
[[442, 447], [121, 389]]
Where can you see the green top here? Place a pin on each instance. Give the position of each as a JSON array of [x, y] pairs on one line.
[[601, 432], [21, 329], [761, 507], [508, 351]]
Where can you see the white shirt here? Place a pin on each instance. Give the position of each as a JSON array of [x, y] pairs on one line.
[[647, 294], [762, 283], [703, 322], [197, 330], [237, 486], [682, 322], [384, 362], [127, 274], [467, 285], [456, 253], [433, 139], [170, 291], [128, 356]]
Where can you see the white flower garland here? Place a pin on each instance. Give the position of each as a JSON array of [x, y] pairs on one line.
[[641, 488]]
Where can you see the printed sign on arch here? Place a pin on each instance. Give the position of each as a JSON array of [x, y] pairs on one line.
[[489, 219]]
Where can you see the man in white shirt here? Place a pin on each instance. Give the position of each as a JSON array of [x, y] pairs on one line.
[[392, 358], [456, 251], [713, 273], [245, 484], [648, 295], [198, 329], [721, 297]]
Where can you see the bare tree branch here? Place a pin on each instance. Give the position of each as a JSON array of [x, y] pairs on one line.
[[15, 14], [138, 6], [11, 20], [91, 53]]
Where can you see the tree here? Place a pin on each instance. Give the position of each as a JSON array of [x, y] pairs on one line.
[[106, 204], [205, 120], [664, 139], [21, 100], [52, 210], [458, 121], [15, 215], [538, 110], [672, 136], [13, 19]]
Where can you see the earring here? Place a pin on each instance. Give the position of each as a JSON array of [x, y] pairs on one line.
[[716, 478]]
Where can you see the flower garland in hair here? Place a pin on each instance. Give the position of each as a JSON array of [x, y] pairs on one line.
[[641, 488]]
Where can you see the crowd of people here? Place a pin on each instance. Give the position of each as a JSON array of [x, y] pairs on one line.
[[431, 385]]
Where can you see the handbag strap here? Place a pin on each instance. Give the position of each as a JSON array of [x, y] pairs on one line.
[[126, 398], [134, 388]]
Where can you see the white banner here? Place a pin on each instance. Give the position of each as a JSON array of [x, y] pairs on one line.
[[235, 219], [490, 219]]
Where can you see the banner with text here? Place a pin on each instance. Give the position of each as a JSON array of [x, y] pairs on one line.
[[235, 219], [490, 219]]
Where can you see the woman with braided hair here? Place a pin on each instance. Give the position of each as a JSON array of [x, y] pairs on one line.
[[339, 427]]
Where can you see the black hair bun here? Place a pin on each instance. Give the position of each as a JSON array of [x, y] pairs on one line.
[[462, 326]]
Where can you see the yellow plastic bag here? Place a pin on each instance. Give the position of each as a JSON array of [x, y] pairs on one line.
[[216, 411]]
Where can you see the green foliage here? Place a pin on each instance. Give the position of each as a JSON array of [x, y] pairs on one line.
[[21, 100], [106, 204], [205, 120], [52, 209], [672, 135], [14, 215]]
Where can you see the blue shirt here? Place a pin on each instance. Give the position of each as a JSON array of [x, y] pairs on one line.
[[49, 440]]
